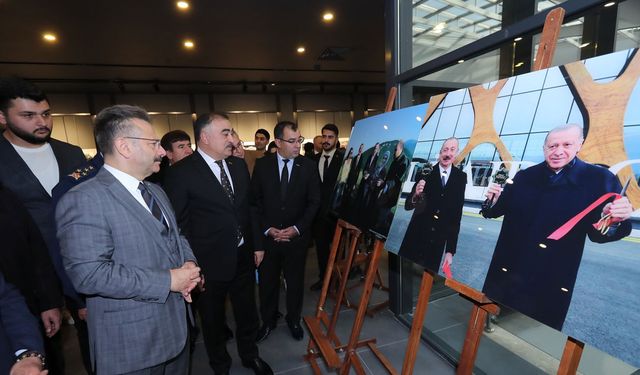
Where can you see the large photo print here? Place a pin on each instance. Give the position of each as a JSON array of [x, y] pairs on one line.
[[527, 189], [375, 165]]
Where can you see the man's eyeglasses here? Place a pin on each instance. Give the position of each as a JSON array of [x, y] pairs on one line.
[[293, 140], [155, 142]]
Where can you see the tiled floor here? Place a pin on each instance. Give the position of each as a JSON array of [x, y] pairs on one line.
[[285, 355]]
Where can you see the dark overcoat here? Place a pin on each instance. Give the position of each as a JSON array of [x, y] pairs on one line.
[[528, 272]]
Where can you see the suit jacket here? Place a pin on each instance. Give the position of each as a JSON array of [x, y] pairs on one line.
[[208, 218], [539, 283], [435, 223], [24, 259], [119, 255], [18, 328], [16, 176], [328, 183], [300, 206]]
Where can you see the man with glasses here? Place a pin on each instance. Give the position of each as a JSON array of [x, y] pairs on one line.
[[285, 195], [32, 164], [177, 145], [122, 248], [209, 191], [529, 272]]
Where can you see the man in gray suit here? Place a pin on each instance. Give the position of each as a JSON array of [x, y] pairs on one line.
[[121, 247]]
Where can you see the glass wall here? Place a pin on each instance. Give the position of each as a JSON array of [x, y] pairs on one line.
[[511, 343]]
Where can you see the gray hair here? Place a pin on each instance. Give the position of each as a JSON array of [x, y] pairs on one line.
[[564, 127], [113, 122]]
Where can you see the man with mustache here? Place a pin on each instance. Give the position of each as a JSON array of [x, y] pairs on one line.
[[209, 191], [328, 164], [435, 223], [122, 248], [529, 272], [32, 164]]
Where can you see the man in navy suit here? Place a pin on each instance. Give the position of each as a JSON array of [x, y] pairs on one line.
[[529, 272], [285, 196], [19, 334], [435, 223], [32, 164], [209, 191]]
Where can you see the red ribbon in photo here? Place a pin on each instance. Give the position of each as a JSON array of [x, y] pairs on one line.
[[566, 227]]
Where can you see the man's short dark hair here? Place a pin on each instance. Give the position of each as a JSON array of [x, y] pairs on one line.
[[278, 131], [205, 119], [17, 88], [263, 132], [173, 136], [331, 127], [113, 122]]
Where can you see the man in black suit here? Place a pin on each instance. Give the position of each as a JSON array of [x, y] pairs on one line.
[[21, 348], [209, 191], [435, 223], [32, 164], [328, 164], [285, 196]]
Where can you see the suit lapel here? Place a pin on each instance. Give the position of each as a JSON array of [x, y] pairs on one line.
[[124, 198], [296, 171], [61, 159], [205, 170], [12, 159]]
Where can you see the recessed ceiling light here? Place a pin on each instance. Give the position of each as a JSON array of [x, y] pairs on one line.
[[301, 49], [327, 17], [182, 5], [189, 44], [49, 37], [517, 39], [610, 4]]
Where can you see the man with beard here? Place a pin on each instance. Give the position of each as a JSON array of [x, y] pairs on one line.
[[435, 223], [261, 140], [328, 163], [32, 164]]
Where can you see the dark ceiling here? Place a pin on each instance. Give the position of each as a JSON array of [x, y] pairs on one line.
[[116, 45]]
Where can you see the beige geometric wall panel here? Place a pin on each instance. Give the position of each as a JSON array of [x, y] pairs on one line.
[[606, 104], [484, 131], [434, 102]]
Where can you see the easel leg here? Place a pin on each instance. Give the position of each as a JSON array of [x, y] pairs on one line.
[[472, 341], [418, 321], [570, 357]]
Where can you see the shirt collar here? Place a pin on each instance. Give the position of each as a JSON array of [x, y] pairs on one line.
[[448, 170], [130, 183], [208, 159], [330, 153]]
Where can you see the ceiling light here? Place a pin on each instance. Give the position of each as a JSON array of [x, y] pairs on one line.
[[182, 5], [301, 49], [583, 45], [517, 39], [189, 44], [327, 17], [460, 61], [610, 4], [519, 64], [49, 37]]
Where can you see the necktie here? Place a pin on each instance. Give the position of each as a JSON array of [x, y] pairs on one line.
[[224, 181], [284, 179], [150, 200], [226, 185], [325, 166], [443, 177]]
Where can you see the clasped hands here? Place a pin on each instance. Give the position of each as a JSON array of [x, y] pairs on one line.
[[282, 235], [185, 278]]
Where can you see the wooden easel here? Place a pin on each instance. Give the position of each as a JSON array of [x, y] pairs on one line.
[[326, 344], [481, 304]]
